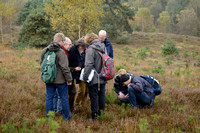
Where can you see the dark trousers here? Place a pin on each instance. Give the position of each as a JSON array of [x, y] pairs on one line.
[[72, 94], [138, 98], [97, 99]]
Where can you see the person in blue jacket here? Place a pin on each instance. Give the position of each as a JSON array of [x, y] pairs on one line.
[[133, 89], [106, 41]]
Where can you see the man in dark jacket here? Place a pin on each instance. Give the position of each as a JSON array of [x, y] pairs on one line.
[[106, 41], [63, 78], [139, 90], [76, 64], [93, 60]]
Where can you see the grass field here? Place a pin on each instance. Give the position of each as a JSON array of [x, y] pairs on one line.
[[177, 109]]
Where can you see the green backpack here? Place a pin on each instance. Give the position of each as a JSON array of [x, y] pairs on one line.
[[48, 67]]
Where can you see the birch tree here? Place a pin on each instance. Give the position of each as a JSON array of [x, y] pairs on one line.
[[74, 18]]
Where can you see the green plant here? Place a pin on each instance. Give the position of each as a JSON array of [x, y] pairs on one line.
[[158, 69], [2, 72], [9, 127], [137, 28], [190, 119], [126, 48], [142, 52], [143, 125], [177, 72], [168, 61], [88, 129], [169, 48], [198, 58], [122, 39], [194, 54], [121, 66], [185, 54], [155, 116], [110, 98], [152, 30], [103, 115]]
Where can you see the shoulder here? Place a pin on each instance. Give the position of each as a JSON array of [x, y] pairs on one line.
[[107, 41]]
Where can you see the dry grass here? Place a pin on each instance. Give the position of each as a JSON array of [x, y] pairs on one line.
[[22, 93]]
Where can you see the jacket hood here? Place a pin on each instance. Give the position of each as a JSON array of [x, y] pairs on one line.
[[97, 45], [54, 47]]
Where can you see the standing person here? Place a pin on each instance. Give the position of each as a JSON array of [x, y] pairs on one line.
[[62, 79], [76, 61], [72, 90], [94, 61], [106, 41]]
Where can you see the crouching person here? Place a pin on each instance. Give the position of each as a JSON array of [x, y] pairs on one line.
[[53, 55], [94, 61], [134, 90]]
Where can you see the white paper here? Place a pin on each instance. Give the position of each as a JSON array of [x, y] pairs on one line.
[[91, 75]]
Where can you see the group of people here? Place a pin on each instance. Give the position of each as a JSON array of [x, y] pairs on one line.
[[84, 53]]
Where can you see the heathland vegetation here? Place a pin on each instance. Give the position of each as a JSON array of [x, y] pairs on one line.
[[175, 110], [146, 40]]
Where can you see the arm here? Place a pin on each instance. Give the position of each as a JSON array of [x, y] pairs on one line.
[[111, 51], [63, 63], [117, 85], [89, 63]]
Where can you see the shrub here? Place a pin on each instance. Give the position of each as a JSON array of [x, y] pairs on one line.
[[142, 52], [36, 31], [121, 66], [137, 28], [152, 30], [169, 48], [122, 39], [158, 69], [198, 58], [194, 54], [126, 48]]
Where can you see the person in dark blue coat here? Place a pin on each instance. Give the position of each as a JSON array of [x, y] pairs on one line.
[[76, 64], [106, 41], [133, 89]]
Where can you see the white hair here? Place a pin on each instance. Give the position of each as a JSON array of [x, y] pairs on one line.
[[102, 32], [67, 40]]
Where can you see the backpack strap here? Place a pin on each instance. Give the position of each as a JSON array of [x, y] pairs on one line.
[[98, 74]]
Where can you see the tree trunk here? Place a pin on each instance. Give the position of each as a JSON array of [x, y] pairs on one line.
[[11, 32], [2, 39]]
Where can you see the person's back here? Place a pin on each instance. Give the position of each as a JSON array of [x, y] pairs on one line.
[[96, 87], [61, 63]]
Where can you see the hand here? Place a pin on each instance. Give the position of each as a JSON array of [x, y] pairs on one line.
[[121, 95], [127, 96], [69, 83], [77, 68], [128, 85]]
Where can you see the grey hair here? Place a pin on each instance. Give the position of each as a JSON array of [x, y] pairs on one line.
[[102, 32], [67, 40]]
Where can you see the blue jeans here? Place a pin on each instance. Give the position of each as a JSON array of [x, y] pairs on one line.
[[57, 102], [138, 98], [63, 93], [97, 98]]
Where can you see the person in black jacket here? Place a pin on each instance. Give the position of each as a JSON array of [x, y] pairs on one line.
[[133, 89], [76, 63]]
